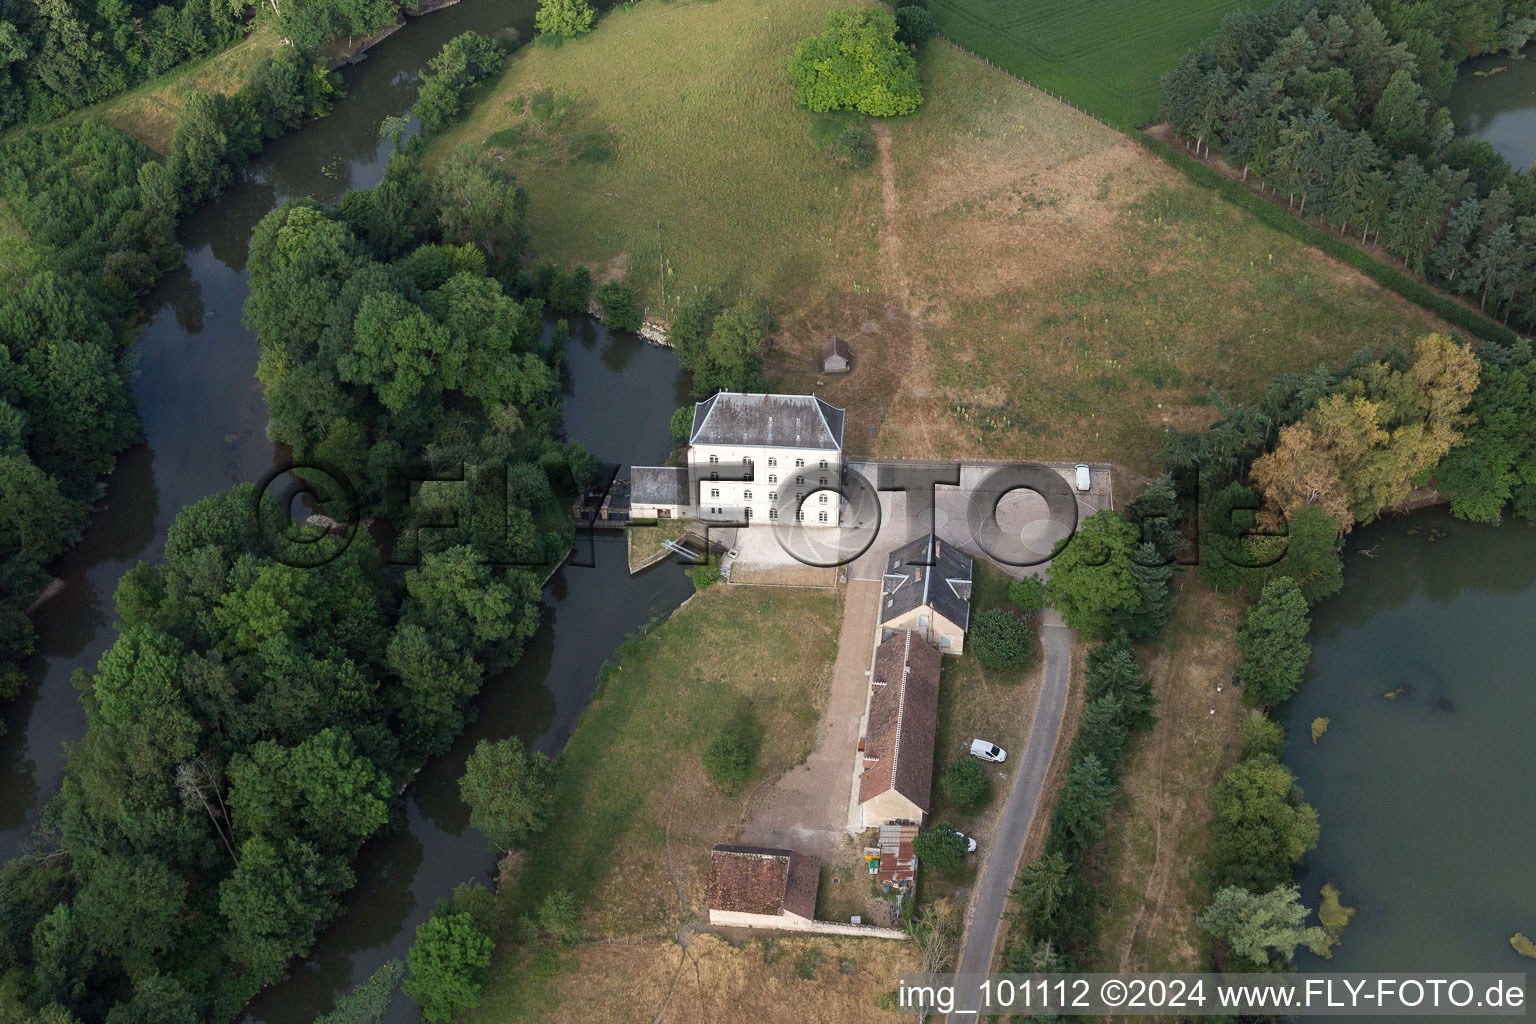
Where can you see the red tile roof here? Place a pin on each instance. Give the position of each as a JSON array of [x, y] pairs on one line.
[[903, 717], [760, 880]]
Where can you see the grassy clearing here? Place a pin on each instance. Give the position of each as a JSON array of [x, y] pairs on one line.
[[1106, 56], [1016, 280], [1152, 860], [635, 814], [647, 543], [148, 112], [979, 703], [1067, 296], [669, 138], [763, 980], [18, 255]]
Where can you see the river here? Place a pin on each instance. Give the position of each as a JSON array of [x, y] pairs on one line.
[[1428, 801], [1501, 106], [204, 426]]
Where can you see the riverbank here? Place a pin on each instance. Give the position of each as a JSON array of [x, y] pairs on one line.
[[1138, 284]]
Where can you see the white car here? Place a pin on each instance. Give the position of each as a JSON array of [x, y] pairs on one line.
[[970, 844], [1084, 478], [988, 751]]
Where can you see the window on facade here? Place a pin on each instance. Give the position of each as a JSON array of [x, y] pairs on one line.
[[821, 516], [799, 462], [799, 479], [773, 478], [799, 515], [799, 497], [773, 495], [822, 498], [773, 513], [714, 458], [714, 476], [749, 511], [823, 481], [943, 641], [823, 463], [747, 495], [714, 492], [772, 461]]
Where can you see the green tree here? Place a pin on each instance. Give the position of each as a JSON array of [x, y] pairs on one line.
[[1256, 926], [273, 902], [682, 425], [1000, 639], [1261, 735], [158, 999], [564, 18], [509, 789], [448, 965], [856, 64], [966, 783], [1043, 892], [914, 25], [1274, 644], [1091, 581], [200, 148], [1262, 826], [940, 847], [1311, 555], [620, 305], [478, 202], [1028, 594]]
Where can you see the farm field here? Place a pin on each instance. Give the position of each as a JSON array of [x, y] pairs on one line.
[[1015, 279], [1106, 56]]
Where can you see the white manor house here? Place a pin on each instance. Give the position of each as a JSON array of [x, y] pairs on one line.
[[750, 458]]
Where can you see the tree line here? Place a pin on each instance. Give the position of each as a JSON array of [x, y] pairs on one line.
[[57, 56], [1278, 484], [255, 721], [99, 213], [1339, 106]]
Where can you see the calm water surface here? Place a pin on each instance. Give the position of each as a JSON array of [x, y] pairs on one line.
[[1500, 107], [1427, 802], [204, 425]]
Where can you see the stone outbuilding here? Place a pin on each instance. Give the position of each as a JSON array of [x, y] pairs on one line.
[[836, 356], [761, 887], [897, 781]]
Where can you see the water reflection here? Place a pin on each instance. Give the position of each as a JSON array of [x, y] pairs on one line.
[[1499, 105]]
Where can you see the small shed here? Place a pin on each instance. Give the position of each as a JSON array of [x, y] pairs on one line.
[[836, 356], [760, 887]]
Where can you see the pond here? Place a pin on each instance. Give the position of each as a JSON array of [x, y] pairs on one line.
[[1427, 800], [1499, 105], [204, 425]]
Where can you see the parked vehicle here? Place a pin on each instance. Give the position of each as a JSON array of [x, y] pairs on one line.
[[970, 844], [988, 751], [1084, 478]]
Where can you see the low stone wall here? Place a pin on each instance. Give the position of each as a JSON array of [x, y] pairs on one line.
[[793, 923]]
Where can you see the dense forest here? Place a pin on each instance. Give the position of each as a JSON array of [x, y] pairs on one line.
[[255, 721], [57, 56], [1339, 106], [95, 214]]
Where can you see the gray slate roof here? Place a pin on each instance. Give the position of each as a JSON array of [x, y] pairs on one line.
[[768, 421], [931, 572], [659, 485]]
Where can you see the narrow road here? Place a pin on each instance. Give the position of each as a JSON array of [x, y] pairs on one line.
[[1002, 861]]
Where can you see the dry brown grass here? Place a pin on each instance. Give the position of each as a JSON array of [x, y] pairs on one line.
[[1155, 851], [149, 112], [713, 981]]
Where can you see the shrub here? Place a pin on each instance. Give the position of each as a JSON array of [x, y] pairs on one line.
[[448, 963], [682, 425], [564, 18], [967, 783], [728, 762], [620, 306], [940, 847], [1000, 639], [855, 145], [560, 917], [704, 575], [1028, 594], [856, 64]]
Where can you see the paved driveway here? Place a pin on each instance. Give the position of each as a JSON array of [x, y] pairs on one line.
[[1002, 859]]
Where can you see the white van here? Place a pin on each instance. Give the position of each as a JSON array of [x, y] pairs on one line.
[[988, 751], [1084, 478]]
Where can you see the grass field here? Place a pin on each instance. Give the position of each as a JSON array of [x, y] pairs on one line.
[[1105, 56], [1152, 862], [733, 655], [1016, 280], [148, 112]]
